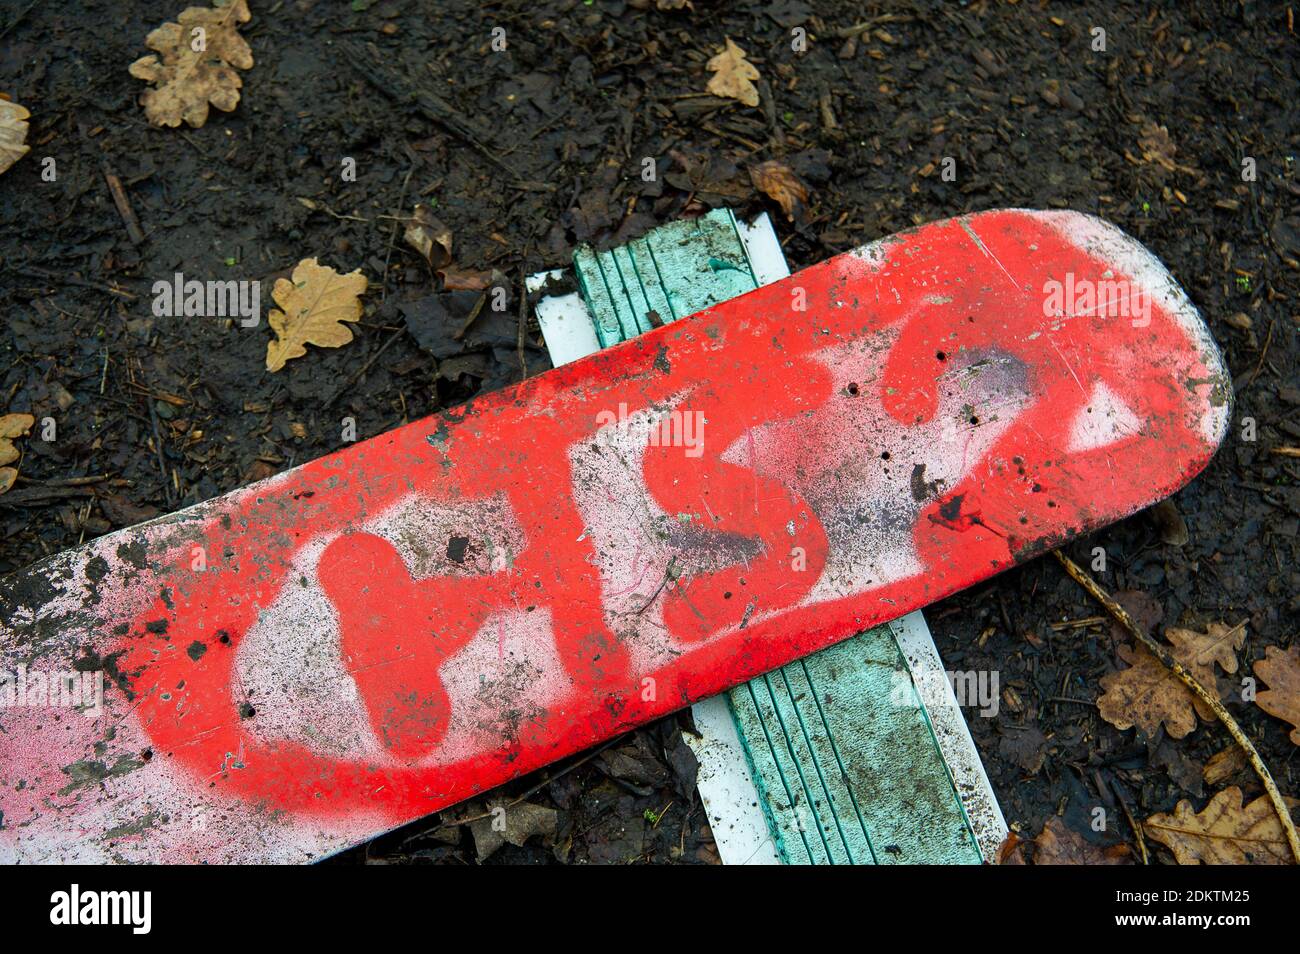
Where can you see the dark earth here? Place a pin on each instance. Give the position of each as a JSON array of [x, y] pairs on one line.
[[529, 152]]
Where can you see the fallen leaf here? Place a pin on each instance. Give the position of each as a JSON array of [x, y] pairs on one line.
[[777, 181], [1170, 756], [121, 512], [1223, 765], [463, 279], [1170, 523], [715, 179], [315, 303], [13, 132], [733, 75], [1011, 851], [1146, 694], [1145, 609], [187, 80], [511, 822], [11, 426], [1225, 833], [427, 235], [1281, 670], [1025, 747], [1058, 845]]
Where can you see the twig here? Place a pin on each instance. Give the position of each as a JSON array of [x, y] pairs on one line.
[[18, 19], [845, 32], [366, 61], [523, 322], [1173, 665], [392, 234], [65, 481], [31, 271], [364, 368], [1263, 354], [1132, 823], [157, 439], [123, 203]]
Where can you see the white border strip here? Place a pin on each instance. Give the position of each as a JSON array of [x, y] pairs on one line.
[[566, 325], [953, 735]]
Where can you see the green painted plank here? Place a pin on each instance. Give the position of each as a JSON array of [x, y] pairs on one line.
[[880, 737], [703, 259], [839, 744]]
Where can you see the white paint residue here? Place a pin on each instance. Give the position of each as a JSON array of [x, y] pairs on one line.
[[1131, 259], [1106, 420]]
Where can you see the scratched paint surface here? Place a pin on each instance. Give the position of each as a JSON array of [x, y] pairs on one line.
[[384, 632]]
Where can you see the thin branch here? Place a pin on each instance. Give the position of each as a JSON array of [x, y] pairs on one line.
[[1210, 699]]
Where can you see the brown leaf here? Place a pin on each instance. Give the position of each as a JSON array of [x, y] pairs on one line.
[[427, 235], [12, 426], [1011, 851], [7, 477], [13, 132], [1170, 523], [463, 279], [777, 181], [1146, 610], [1223, 765], [1281, 670], [1147, 694], [733, 75], [1225, 833], [511, 822], [187, 80], [315, 303], [1058, 845]]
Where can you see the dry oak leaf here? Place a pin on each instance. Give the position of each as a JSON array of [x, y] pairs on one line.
[[733, 75], [187, 80], [13, 132], [1281, 670], [429, 236], [777, 181], [11, 426], [1147, 694], [1225, 833], [1057, 844], [315, 303]]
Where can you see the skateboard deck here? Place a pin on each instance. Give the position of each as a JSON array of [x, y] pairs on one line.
[[375, 635]]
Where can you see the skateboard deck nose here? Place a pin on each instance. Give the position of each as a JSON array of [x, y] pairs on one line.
[[606, 543]]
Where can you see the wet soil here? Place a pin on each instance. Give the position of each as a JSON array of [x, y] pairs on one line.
[[527, 152]]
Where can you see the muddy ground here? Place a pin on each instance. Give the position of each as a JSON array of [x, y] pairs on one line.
[[528, 152]]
